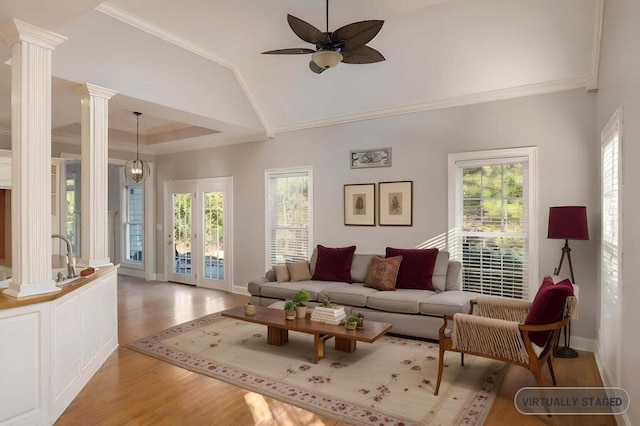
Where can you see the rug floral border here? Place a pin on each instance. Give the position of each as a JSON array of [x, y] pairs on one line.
[[473, 413]]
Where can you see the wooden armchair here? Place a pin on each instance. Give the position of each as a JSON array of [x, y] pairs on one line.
[[496, 330]]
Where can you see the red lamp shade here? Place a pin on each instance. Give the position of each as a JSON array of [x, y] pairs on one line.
[[568, 223]]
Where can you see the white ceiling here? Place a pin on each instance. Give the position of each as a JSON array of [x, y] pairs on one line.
[[195, 70]]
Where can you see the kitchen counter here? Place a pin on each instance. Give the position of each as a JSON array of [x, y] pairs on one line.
[[52, 344], [8, 302]]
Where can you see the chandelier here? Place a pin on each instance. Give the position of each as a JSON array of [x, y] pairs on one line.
[[137, 170]]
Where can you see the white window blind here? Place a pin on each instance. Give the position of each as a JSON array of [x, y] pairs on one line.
[[289, 218], [492, 224], [610, 255]]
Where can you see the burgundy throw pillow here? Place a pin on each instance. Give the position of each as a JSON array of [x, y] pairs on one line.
[[547, 307], [416, 269], [334, 264]]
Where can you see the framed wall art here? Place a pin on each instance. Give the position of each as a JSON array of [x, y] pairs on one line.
[[379, 157], [395, 203], [360, 204]]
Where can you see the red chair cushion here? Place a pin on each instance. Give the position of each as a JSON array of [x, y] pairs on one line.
[[547, 307]]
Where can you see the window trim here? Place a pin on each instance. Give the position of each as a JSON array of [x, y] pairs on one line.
[[268, 173], [498, 156], [615, 124], [124, 203]]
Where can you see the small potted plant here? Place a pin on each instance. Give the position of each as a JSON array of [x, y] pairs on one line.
[[301, 297], [327, 303], [351, 322], [249, 308], [290, 309]]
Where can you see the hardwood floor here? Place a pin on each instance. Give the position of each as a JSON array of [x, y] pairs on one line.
[[135, 389]]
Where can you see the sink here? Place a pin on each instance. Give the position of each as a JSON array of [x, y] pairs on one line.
[[63, 271]]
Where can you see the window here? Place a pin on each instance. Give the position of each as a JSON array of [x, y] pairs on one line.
[[289, 207], [491, 215], [134, 223], [610, 256], [72, 216]]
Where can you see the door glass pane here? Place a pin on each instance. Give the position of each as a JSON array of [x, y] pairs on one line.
[[213, 235], [182, 232]]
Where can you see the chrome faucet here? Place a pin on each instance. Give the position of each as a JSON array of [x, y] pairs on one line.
[[71, 263]]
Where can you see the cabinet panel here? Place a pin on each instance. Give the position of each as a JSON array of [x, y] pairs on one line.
[[65, 344], [19, 365], [90, 324]]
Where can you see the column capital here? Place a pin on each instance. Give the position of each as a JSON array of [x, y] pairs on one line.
[[15, 31], [84, 90]]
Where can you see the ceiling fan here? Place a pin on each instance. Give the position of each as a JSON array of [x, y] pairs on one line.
[[346, 44]]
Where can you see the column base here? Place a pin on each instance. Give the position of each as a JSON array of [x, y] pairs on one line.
[[31, 289]]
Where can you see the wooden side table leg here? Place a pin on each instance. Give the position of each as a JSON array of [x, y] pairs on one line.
[[345, 345], [277, 336]]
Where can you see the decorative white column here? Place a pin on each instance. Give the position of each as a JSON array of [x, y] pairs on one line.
[[94, 111], [31, 49]]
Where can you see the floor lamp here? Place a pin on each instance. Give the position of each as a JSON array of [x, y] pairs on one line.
[[567, 223]]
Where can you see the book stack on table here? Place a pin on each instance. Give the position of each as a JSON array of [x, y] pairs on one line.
[[328, 315]]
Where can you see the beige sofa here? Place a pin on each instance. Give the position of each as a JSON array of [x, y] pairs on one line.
[[416, 313]]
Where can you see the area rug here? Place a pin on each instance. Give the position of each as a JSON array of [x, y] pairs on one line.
[[389, 382]]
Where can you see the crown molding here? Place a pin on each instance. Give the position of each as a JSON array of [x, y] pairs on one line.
[[598, 19], [470, 99], [161, 33], [203, 144]]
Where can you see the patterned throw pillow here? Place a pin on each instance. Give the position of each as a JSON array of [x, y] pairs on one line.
[[299, 271], [282, 273], [383, 273]]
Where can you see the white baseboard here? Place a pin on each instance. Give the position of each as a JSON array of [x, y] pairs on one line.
[[581, 343], [159, 277], [238, 289]]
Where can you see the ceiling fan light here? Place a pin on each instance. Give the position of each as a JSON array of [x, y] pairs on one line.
[[326, 58]]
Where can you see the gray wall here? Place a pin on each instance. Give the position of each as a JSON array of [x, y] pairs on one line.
[[561, 125], [620, 88]]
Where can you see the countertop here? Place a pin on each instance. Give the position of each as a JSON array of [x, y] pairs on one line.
[[8, 302]]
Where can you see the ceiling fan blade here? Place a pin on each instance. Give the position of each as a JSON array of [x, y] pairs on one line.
[[362, 55], [307, 32], [357, 34], [291, 51], [315, 68]]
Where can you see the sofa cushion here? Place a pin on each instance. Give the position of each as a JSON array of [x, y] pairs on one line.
[[334, 264], [287, 290], [282, 273], [360, 267], [406, 301], [448, 303], [416, 269], [383, 273], [299, 271], [355, 294], [439, 276], [547, 307]]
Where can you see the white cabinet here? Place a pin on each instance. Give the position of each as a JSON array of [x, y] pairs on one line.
[[50, 350]]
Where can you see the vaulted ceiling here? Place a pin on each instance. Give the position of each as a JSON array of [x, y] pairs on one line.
[[195, 68]]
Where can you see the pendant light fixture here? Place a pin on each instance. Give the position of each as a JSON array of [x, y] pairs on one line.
[[137, 170]]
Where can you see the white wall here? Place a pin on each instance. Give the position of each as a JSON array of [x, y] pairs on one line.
[[620, 88], [561, 125]]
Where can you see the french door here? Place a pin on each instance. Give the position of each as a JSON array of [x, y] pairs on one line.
[[199, 245]]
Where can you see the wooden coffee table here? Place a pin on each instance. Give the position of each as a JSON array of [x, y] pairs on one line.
[[278, 330]]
